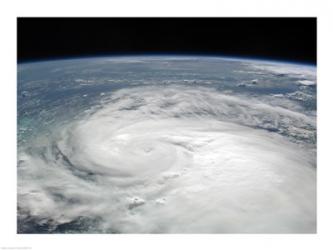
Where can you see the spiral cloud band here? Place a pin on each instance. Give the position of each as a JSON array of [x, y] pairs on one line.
[[174, 159]]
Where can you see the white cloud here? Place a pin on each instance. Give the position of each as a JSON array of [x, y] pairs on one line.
[[307, 82], [176, 160], [297, 70]]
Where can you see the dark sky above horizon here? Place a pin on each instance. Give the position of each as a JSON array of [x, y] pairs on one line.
[[288, 39]]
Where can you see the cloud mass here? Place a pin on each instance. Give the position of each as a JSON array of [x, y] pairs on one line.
[[174, 159]]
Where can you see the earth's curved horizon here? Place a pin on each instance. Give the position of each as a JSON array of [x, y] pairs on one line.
[[166, 144], [272, 60]]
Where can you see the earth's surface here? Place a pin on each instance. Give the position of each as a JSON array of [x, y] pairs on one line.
[[166, 145]]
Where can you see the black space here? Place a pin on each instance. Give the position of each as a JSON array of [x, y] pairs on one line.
[[288, 39]]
